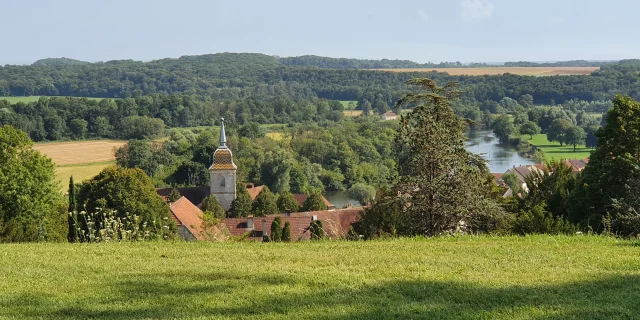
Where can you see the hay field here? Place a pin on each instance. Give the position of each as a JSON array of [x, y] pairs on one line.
[[523, 71], [80, 159], [80, 152], [533, 277]]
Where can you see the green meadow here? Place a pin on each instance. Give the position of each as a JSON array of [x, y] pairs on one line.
[[553, 150], [28, 99], [467, 277]]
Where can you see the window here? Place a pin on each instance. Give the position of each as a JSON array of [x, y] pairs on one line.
[[223, 183]]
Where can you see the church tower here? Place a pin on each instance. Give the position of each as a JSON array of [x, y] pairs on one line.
[[223, 173]]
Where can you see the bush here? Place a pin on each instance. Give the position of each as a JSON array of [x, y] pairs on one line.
[[539, 220], [276, 229], [286, 232], [314, 202], [316, 230]]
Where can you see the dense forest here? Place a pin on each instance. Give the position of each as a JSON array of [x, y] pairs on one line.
[[239, 76]]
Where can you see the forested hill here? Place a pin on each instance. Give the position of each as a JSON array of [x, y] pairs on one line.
[[232, 76], [58, 62]]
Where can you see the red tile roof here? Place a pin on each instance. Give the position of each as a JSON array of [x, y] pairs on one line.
[[336, 224], [390, 114], [188, 215], [301, 198], [254, 191]]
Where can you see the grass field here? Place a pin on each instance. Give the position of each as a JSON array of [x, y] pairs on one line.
[[525, 71], [13, 100], [80, 159], [538, 277], [553, 150], [352, 113], [345, 104]]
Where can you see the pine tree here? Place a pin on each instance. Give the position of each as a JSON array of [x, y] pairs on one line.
[[265, 203], [286, 232], [441, 182], [174, 195], [241, 206], [276, 229], [72, 235], [211, 205], [314, 202], [287, 203]]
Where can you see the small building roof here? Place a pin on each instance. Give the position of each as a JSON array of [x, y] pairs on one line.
[[194, 194], [390, 114], [254, 191], [188, 215]]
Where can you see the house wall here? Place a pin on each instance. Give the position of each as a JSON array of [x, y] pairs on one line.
[[185, 234], [224, 193]]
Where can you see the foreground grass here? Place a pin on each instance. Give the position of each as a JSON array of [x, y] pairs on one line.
[[539, 277], [553, 150]]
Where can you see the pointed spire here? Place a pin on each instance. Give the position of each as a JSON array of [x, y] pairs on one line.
[[223, 136]]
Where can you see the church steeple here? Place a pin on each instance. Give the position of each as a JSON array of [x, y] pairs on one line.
[[223, 173], [223, 136]]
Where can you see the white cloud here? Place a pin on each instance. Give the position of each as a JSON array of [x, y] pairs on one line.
[[476, 10], [423, 15]]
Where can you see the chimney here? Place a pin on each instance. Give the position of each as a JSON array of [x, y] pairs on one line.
[[314, 218], [250, 222], [287, 213], [264, 227]]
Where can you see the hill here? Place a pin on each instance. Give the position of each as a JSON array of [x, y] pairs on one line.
[[541, 277], [59, 62]]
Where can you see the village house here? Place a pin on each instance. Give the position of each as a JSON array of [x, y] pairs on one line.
[[189, 218], [389, 116]]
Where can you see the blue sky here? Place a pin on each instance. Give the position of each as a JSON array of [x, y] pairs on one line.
[[426, 30]]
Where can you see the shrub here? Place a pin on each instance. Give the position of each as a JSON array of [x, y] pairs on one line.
[[276, 229], [286, 232], [316, 230]]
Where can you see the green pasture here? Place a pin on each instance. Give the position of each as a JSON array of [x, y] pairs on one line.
[[553, 150], [535, 277]]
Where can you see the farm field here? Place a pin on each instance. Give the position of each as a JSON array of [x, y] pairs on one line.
[[553, 150], [535, 277], [345, 104], [524, 71], [28, 99], [80, 159]]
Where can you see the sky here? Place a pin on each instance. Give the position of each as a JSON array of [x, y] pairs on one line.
[[418, 30]]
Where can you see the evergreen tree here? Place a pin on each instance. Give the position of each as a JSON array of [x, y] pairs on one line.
[[241, 206], [314, 202], [265, 203], [211, 205], [72, 235], [287, 203], [606, 183], [174, 195], [286, 232], [276, 229], [315, 228], [441, 182]]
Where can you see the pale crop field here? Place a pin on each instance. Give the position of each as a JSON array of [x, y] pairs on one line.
[[466, 277], [81, 159], [524, 71]]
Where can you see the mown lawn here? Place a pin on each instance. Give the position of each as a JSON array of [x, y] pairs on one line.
[[539, 277], [553, 150]]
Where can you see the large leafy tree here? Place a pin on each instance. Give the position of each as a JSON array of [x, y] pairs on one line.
[[126, 191], [529, 128], [503, 128], [558, 130], [31, 206], [575, 136], [314, 202], [614, 167], [286, 202], [211, 205], [265, 203], [241, 206], [442, 185]]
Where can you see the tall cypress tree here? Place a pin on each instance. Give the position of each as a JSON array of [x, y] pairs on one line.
[[286, 232], [72, 235], [276, 229]]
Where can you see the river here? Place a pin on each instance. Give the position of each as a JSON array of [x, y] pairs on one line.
[[501, 157]]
